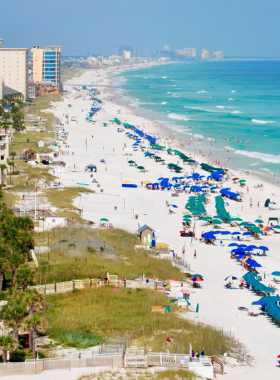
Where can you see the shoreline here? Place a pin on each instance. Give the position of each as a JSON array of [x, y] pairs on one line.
[[219, 306], [195, 146]]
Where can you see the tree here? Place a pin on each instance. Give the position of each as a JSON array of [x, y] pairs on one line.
[[15, 241], [15, 109], [25, 276], [36, 323], [2, 168], [6, 116], [7, 343], [10, 163], [13, 314], [13, 154]]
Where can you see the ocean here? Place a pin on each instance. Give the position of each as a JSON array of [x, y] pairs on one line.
[[233, 104]]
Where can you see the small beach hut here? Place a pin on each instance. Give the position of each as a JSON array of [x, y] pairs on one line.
[[145, 233]]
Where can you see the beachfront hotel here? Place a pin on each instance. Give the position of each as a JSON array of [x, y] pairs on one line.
[[14, 71], [46, 64]]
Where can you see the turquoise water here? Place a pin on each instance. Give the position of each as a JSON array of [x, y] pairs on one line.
[[233, 103]]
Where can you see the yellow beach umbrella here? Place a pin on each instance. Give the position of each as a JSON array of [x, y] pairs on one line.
[[126, 181], [147, 181]]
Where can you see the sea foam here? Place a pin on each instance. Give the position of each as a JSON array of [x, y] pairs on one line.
[[178, 117], [261, 156], [201, 92], [261, 121]]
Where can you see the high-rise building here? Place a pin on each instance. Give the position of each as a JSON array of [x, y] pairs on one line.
[[14, 70], [47, 64], [123, 48], [190, 52], [131, 49], [206, 54], [126, 54], [218, 55], [166, 48], [187, 52]]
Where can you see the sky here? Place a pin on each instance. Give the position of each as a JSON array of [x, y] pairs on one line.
[[240, 28]]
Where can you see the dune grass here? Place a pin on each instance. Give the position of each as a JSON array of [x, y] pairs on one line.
[[30, 173], [70, 73], [63, 198], [102, 309], [129, 263], [142, 374]]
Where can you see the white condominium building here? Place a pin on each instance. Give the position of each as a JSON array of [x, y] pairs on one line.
[[14, 69]]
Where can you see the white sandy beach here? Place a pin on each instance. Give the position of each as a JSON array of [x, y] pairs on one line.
[[218, 305]]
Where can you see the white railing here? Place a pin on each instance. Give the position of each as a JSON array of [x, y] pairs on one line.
[[67, 286]]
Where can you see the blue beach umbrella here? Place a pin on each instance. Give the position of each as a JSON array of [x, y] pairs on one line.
[[259, 303], [263, 248], [233, 245], [236, 233]]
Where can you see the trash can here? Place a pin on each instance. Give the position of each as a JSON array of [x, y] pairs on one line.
[[115, 208], [91, 176], [101, 190], [98, 185]]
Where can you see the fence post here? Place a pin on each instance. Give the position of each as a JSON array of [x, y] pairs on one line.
[[90, 283], [73, 285], [54, 286], [124, 283]]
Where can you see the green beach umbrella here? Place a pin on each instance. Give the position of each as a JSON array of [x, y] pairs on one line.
[[259, 221], [216, 221], [242, 181], [205, 218], [140, 167], [216, 217], [276, 227], [104, 220], [244, 224], [131, 162]]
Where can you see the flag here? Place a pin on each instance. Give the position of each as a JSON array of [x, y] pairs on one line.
[[168, 339]]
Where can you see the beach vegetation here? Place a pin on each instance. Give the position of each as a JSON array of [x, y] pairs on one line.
[[125, 260], [63, 198], [100, 310], [142, 374]]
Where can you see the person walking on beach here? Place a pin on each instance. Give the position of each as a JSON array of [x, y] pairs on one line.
[[194, 254], [183, 250]]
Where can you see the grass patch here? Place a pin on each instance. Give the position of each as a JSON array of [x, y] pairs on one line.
[[129, 263], [67, 74], [78, 339], [30, 173], [142, 374], [63, 198], [101, 310], [9, 197]]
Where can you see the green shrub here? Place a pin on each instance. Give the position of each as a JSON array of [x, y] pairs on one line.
[[90, 249], [18, 355], [78, 339]]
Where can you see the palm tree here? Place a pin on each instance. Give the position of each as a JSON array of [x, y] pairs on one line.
[[13, 154], [36, 323], [10, 163], [2, 168], [13, 314], [7, 343]]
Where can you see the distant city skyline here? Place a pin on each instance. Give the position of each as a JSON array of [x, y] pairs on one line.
[[239, 28]]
